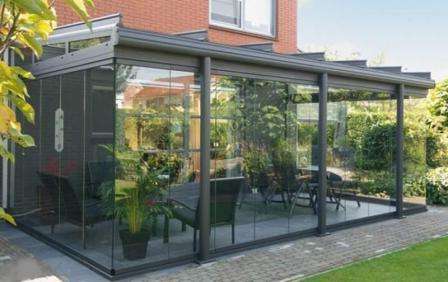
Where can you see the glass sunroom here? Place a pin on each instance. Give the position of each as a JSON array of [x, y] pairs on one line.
[[156, 150]]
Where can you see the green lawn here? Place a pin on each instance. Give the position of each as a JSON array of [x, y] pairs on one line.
[[423, 262]]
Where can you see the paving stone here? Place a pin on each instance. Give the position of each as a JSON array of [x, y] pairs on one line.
[[308, 256]]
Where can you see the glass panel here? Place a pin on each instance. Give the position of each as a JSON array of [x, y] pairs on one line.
[[61, 194], [415, 150], [52, 50], [27, 58], [49, 165], [227, 12], [268, 112], [361, 154], [260, 159], [28, 207], [157, 148], [99, 164], [230, 224], [81, 44], [258, 16], [303, 137]]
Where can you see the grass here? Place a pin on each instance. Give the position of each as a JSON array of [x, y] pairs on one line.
[[423, 262]]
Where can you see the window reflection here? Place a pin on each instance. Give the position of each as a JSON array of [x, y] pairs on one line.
[[361, 135], [256, 16], [262, 154], [415, 150], [157, 150]]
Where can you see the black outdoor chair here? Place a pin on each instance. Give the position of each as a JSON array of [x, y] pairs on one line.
[[337, 189], [265, 185], [66, 203], [223, 201], [99, 173]]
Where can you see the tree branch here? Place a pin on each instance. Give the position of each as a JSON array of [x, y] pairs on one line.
[[7, 42], [2, 13]]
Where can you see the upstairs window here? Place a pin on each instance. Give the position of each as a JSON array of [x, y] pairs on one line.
[[256, 16]]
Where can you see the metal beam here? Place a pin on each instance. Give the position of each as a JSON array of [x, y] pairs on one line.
[[322, 191], [355, 63], [394, 69], [419, 74], [400, 148], [319, 56], [204, 207], [267, 47], [75, 61]]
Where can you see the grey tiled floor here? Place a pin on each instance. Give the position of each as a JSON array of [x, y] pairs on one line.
[[278, 262], [254, 221]]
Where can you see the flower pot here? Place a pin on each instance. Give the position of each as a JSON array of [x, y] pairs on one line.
[[134, 244]]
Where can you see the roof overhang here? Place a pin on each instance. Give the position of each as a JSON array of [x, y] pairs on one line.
[[144, 42]]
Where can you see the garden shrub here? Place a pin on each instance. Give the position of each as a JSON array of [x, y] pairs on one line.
[[377, 183], [377, 148], [414, 185], [437, 188]]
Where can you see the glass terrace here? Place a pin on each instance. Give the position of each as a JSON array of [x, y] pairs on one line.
[[156, 150]]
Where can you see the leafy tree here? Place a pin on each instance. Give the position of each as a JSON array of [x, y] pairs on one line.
[[437, 142], [25, 25], [438, 107]]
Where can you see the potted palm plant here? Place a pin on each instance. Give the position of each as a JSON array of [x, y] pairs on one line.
[[137, 207]]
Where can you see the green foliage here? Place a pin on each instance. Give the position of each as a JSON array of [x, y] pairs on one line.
[[166, 164], [220, 133], [437, 144], [283, 160], [7, 217], [25, 24], [377, 148], [378, 183], [437, 191], [438, 107], [143, 202], [414, 184], [255, 164], [144, 129], [138, 205]]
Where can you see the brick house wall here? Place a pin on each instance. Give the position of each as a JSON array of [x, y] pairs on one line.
[[175, 16]]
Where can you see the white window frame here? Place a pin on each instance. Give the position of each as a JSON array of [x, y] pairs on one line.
[[242, 27]]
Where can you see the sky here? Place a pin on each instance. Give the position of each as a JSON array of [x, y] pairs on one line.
[[408, 33]]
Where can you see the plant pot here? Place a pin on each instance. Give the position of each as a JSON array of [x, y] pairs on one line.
[[134, 245]]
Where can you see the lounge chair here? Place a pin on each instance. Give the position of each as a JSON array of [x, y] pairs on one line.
[[223, 201], [68, 206], [99, 173]]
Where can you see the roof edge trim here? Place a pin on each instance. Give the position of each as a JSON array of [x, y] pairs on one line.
[[169, 43]]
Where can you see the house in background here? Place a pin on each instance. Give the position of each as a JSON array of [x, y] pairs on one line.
[[247, 141], [271, 23]]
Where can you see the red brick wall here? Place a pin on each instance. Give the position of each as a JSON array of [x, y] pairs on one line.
[[171, 16]]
